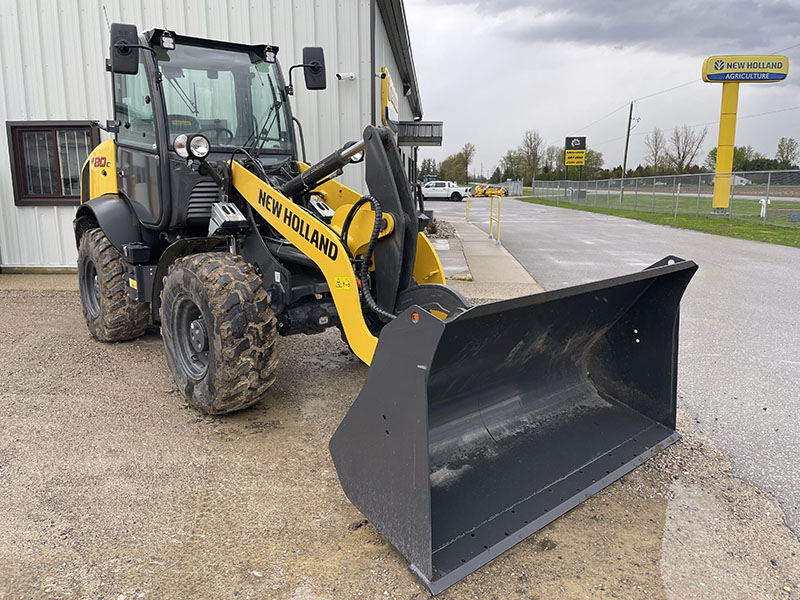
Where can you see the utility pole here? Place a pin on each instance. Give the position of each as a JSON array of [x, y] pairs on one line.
[[625, 156]]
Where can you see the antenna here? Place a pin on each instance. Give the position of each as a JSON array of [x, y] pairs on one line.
[[106, 14]]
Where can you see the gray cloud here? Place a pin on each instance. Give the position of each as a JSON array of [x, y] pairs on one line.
[[681, 27]]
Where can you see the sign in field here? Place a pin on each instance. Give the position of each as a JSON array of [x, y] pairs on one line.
[[765, 68], [575, 151], [575, 157], [575, 143]]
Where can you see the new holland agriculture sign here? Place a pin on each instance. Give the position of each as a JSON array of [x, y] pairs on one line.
[[756, 68]]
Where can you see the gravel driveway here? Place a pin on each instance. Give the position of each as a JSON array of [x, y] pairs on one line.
[[112, 488]]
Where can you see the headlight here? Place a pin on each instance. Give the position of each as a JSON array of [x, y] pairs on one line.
[[199, 146], [180, 145]]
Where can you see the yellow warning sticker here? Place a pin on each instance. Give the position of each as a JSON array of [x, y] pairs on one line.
[[132, 283], [342, 283]]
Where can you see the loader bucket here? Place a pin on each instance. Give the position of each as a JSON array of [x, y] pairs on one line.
[[472, 433]]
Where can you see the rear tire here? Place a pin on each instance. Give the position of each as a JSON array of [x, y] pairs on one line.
[[111, 315], [219, 332], [455, 197]]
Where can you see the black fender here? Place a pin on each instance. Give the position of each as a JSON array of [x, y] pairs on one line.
[[113, 214], [173, 252]]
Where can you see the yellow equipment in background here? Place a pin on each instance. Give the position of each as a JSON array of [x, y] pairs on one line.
[[485, 190], [496, 191]]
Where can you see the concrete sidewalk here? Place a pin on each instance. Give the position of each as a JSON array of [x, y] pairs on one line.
[[494, 274]]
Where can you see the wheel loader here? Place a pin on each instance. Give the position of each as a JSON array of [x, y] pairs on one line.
[[486, 191], [496, 191], [476, 425]]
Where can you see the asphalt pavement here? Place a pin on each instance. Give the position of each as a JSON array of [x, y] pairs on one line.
[[739, 362]]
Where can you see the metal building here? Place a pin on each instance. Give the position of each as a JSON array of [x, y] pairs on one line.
[[53, 83]]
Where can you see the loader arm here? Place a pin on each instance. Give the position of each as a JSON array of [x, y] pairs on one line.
[[321, 244], [427, 266]]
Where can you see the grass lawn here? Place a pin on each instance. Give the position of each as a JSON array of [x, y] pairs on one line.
[[785, 236]]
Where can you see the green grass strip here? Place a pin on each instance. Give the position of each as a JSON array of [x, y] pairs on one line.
[[783, 236]]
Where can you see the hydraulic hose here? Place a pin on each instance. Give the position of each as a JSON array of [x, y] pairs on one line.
[[364, 275], [348, 220]]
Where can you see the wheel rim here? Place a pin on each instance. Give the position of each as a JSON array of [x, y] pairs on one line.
[[191, 339], [91, 289]]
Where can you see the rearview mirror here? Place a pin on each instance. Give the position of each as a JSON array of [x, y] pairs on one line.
[[314, 68], [124, 53]]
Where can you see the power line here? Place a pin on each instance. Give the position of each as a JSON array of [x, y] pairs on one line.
[[664, 91], [616, 110], [785, 49], [675, 87], [770, 112]]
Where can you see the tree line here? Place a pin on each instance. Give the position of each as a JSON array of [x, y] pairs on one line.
[[666, 154]]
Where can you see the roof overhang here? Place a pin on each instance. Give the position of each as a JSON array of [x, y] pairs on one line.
[[394, 21], [420, 133]]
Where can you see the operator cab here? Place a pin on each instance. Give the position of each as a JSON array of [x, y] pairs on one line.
[[232, 94]]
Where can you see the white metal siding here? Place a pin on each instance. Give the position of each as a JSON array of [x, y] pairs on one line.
[[52, 57], [385, 58]]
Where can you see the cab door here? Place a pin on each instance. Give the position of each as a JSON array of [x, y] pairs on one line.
[[138, 164]]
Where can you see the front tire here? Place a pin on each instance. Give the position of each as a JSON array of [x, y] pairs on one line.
[[455, 197], [111, 315], [219, 332]]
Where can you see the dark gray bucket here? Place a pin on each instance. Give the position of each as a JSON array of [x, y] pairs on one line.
[[473, 433]]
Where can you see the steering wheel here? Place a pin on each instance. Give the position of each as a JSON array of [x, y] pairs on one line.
[[220, 132]]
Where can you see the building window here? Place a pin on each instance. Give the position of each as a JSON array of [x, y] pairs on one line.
[[46, 159]]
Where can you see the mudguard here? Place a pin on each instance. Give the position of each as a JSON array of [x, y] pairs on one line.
[[113, 215]]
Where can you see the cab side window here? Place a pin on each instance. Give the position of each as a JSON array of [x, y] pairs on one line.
[[134, 110]]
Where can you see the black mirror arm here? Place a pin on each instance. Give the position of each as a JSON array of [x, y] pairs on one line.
[[110, 126], [123, 47], [290, 87]]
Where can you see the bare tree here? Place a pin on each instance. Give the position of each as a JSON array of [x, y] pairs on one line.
[[468, 152], [656, 156], [531, 151], [684, 145], [553, 157], [787, 152]]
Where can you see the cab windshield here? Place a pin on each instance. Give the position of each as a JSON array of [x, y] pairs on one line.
[[230, 96]]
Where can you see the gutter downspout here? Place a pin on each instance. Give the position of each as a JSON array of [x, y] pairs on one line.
[[372, 60]]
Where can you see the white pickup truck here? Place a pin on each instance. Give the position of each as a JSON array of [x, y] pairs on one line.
[[436, 190]]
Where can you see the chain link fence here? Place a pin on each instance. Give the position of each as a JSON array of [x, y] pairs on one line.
[[765, 197], [514, 187]]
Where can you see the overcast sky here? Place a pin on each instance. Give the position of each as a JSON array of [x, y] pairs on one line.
[[490, 69]]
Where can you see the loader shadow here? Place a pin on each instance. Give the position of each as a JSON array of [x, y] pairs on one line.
[[608, 546]]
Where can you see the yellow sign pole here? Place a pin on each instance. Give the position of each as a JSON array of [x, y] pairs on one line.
[[727, 135], [729, 70]]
